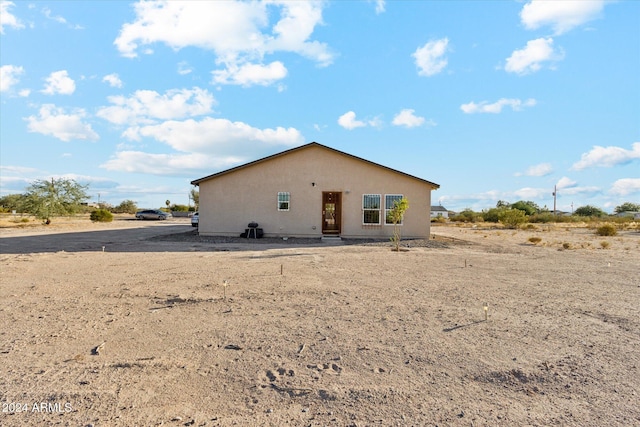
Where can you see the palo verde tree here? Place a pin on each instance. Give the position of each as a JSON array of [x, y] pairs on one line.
[[48, 199], [395, 216]]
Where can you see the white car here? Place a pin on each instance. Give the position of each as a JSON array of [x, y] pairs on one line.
[[194, 219]]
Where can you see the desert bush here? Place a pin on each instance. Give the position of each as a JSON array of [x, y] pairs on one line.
[[566, 245], [535, 240], [529, 227], [439, 219], [543, 217], [126, 206], [492, 215], [607, 230], [467, 215], [604, 244], [101, 215], [512, 218]]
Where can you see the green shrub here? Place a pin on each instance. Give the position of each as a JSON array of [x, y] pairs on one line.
[[542, 217], [179, 208], [101, 215], [607, 230], [492, 215], [512, 218], [467, 215]]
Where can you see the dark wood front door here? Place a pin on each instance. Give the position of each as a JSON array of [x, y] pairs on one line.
[[331, 212]]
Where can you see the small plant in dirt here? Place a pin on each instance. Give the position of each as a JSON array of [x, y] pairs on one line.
[[535, 240], [604, 244], [566, 245], [395, 216], [101, 215], [607, 230]]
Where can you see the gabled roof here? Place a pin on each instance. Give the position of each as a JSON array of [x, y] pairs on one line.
[[303, 147], [438, 209]]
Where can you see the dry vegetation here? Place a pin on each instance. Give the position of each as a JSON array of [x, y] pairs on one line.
[[315, 335]]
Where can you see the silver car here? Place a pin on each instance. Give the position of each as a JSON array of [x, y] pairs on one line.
[[153, 214]]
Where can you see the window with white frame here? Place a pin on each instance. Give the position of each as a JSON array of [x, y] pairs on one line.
[[371, 209], [284, 201], [389, 201]]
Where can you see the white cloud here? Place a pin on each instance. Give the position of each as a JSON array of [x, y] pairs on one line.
[[59, 19], [9, 76], [542, 169], [7, 18], [250, 74], [59, 82], [202, 145], [217, 136], [147, 106], [380, 6], [565, 182], [529, 193], [561, 15], [113, 80], [496, 107], [57, 123], [166, 164], [530, 59], [348, 121], [239, 33], [625, 186], [406, 118], [430, 58], [24, 93], [607, 157], [184, 68]]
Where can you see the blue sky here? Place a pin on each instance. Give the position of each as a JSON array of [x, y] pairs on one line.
[[493, 100]]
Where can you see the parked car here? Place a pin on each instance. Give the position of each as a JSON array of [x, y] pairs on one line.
[[194, 219], [153, 214]]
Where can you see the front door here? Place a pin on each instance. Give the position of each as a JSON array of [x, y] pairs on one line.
[[331, 212]]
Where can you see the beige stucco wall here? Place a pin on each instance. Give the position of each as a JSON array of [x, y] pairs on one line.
[[230, 201]]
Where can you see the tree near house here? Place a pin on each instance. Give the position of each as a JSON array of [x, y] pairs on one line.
[[589, 210], [195, 196], [48, 199], [627, 207], [395, 215]]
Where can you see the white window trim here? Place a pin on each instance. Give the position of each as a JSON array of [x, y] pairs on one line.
[[387, 210], [379, 210], [288, 201]]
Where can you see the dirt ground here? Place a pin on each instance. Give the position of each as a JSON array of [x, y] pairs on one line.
[[210, 333]]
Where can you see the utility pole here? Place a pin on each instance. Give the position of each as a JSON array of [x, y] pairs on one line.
[[555, 193]]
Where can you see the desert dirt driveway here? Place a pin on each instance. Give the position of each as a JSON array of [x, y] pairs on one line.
[[128, 235], [352, 335]]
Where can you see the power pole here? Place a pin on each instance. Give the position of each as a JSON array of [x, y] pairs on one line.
[[555, 193]]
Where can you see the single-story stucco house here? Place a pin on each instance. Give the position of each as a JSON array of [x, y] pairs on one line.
[[312, 191]]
